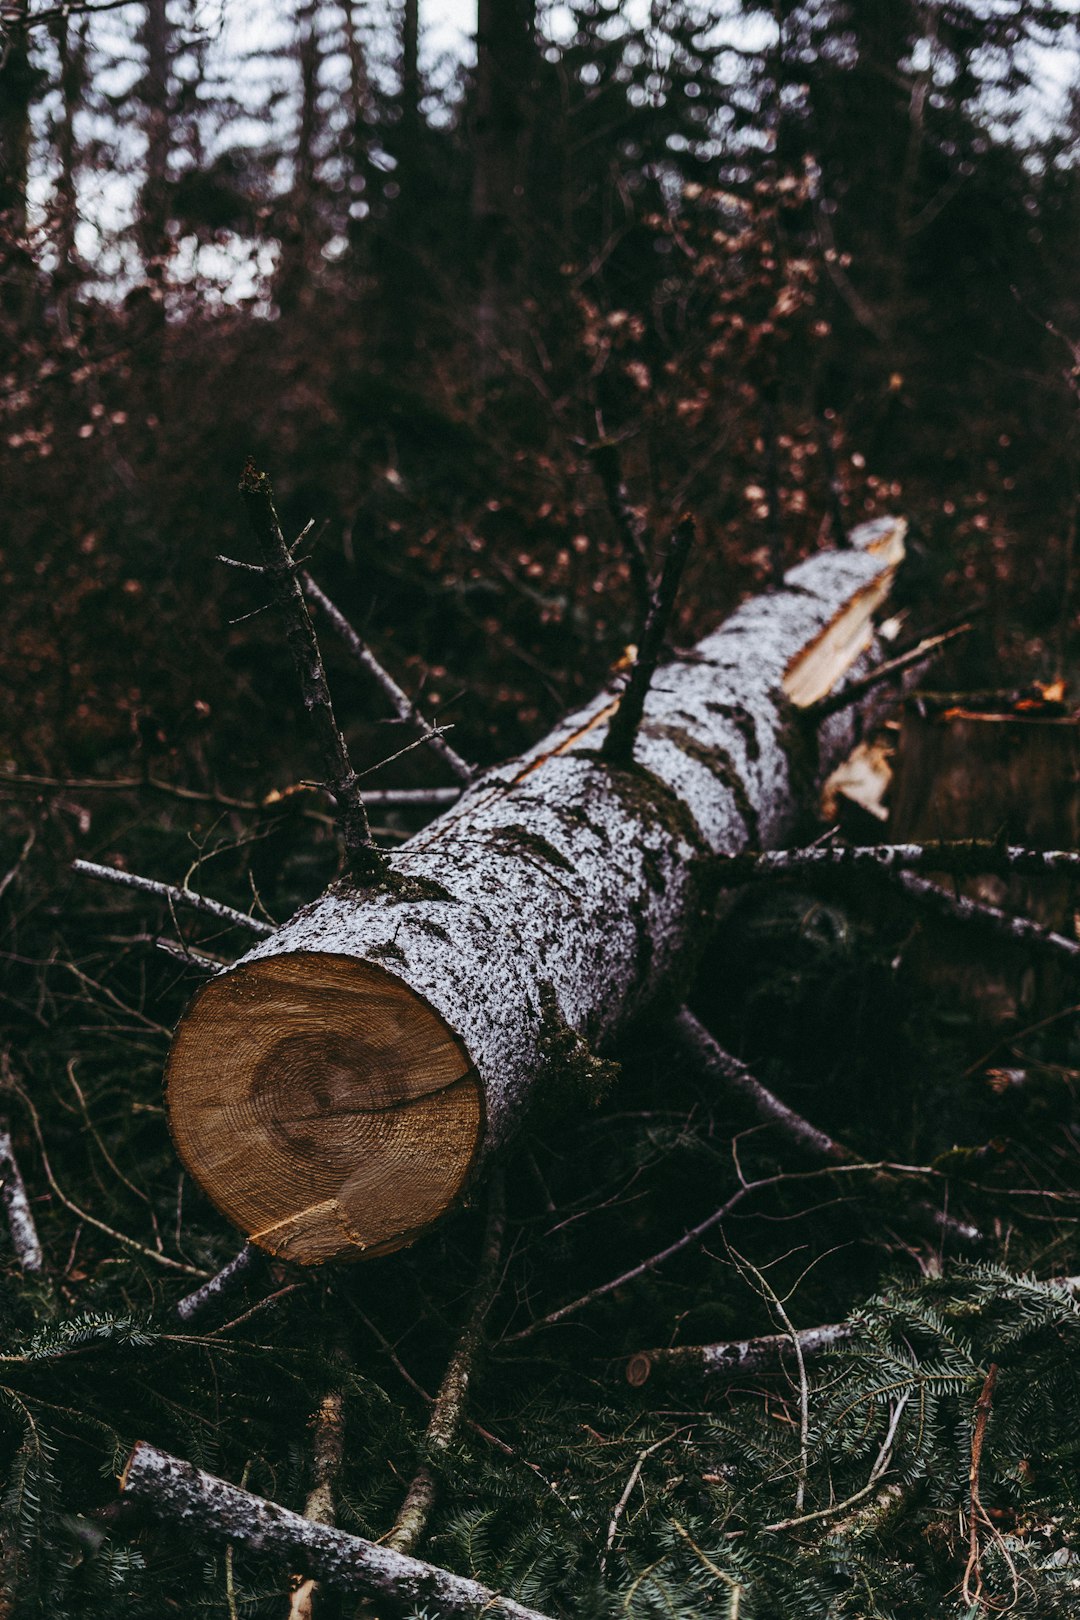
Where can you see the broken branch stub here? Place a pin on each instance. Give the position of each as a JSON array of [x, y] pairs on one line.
[[338, 1089]]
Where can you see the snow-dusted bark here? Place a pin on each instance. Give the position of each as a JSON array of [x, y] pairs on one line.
[[563, 891], [202, 1505]]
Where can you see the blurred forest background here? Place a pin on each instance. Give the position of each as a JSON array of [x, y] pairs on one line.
[[792, 265]]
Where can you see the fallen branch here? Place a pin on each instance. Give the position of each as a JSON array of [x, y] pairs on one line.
[[704, 1053], [327, 1453], [966, 857], [411, 798], [448, 1410], [221, 1284], [183, 1495], [854, 690], [24, 1236], [618, 745], [732, 1358], [992, 920], [400, 702], [174, 895], [366, 863]]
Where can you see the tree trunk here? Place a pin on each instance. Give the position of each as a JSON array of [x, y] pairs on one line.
[[336, 1092], [505, 58]]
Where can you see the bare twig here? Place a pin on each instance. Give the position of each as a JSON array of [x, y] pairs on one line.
[[91, 1220], [201, 1504], [618, 745], [852, 691], [411, 798], [966, 857], [630, 528], [400, 702], [881, 1463], [367, 864], [174, 895], [1002, 924], [448, 1409], [628, 1491], [972, 1589], [24, 1237]]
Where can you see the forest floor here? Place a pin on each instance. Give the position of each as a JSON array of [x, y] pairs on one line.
[[859, 1489]]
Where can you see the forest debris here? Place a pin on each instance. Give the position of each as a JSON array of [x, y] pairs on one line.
[[734, 1358], [221, 1284], [402, 704], [432, 982], [366, 863], [991, 919], [449, 1406], [184, 1496], [959, 857], [327, 1453], [864, 778], [20, 1219], [174, 895]]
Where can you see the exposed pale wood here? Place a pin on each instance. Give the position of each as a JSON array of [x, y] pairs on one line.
[[812, 675], [337, 1089], [322, 1104]]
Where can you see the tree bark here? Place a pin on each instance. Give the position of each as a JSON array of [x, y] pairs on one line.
[[203, 1505], [337, 1091]]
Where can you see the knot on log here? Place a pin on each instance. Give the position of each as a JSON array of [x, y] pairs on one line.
[[572, 1070]]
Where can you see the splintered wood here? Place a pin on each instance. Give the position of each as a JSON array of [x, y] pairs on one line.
[[337, 1090]]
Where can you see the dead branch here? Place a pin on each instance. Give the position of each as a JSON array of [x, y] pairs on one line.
[[184, 1496], [708, 1057], [366, 863], [411, 798], [852, 691], [966, 857], [24, 1236], [327, 1453], [448, 1410], [628, 525], [977, 1515], [223, 1283], [175, 896], [992, 920], [618, 745], [400, 702], [732, 1358]]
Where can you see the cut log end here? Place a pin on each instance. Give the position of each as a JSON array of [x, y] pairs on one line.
[[323, 1105]]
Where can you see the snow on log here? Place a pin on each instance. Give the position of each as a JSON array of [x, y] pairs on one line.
[[337, 1090]]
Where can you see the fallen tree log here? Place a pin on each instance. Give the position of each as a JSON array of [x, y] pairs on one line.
[[336, 1091]]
